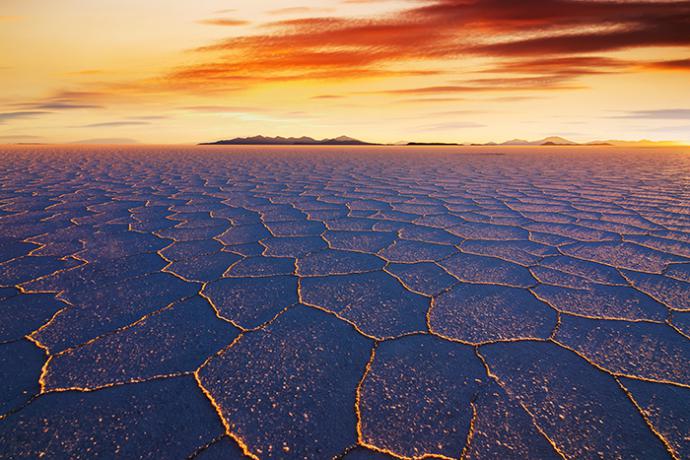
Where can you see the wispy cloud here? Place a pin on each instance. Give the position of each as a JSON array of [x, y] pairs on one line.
[[327, 96], [565, 66], [114, 124], [60, 101], [62, 106], [665, 114], [9, 116], [224, 22], [220, 109], [149, 117], [674, 64], [490, 85], [430, 100], [298, 10]]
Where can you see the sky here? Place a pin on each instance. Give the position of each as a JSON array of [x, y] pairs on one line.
[[173, 71]]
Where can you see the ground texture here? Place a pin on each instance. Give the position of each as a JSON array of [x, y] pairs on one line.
[[344, 303]]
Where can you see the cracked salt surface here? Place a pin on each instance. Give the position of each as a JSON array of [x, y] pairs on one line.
[[344, 303]]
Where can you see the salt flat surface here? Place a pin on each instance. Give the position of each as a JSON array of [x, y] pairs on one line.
[[356, 303]]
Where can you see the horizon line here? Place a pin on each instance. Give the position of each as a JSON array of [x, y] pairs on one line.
[[412, 144]]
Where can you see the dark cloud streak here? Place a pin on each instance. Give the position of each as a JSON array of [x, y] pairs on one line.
[[114, 124], [9, 116]]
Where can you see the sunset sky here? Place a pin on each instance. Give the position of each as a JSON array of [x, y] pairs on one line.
[[172, 71]]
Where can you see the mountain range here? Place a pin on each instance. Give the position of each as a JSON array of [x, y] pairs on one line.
[[556, 140], [304, 140], [345, 140], [552, 140]]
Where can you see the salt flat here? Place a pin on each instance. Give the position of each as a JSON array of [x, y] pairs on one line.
[[345, 302]]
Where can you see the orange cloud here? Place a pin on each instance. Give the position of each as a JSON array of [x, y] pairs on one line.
[[677, 64], [568, 65], [554, 39], [298, 10], [224, 22]]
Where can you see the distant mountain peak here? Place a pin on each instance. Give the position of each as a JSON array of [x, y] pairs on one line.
[[556, 140], [516, 142]]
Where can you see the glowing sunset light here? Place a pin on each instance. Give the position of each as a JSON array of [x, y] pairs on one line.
[[376, 70]]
